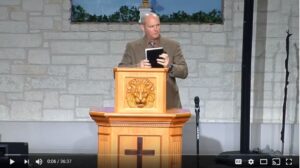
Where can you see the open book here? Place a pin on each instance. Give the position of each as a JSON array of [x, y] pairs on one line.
[[152, 54]]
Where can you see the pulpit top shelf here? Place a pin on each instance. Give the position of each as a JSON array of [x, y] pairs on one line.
[[122, 69], [111, 112], [107, 117]]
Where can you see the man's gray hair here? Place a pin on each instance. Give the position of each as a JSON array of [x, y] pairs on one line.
[[144, 15]]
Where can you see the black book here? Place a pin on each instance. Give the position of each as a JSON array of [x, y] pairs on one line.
[[152, 54]]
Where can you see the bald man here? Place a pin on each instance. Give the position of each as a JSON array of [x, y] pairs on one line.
[[173, 59]]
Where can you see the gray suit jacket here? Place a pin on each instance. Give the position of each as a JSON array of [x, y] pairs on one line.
[[135, 52]]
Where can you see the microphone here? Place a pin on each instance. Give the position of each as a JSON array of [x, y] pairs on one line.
[[196, 100]]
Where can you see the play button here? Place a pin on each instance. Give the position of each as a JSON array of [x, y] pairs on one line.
[[11, 161]]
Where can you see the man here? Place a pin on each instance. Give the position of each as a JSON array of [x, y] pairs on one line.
[[173, 59]]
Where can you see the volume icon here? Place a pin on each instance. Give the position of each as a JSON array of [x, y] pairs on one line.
[[39, 161]]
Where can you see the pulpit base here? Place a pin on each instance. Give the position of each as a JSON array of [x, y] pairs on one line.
[[139, 140]]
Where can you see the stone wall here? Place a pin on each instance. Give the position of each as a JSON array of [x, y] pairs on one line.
[[54, 70]]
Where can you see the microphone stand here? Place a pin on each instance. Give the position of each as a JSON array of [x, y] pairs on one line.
[[285, 90], [197, 128], [197, 111]]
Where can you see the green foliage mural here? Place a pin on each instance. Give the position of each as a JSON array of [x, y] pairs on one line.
[[127, 14]]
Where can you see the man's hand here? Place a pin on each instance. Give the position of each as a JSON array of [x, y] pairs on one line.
[[163, 60], [145, 64]]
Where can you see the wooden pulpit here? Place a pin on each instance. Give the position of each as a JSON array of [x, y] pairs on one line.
[[139, 132]]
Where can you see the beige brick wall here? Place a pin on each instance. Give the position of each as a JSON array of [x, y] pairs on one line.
[[53, 70]]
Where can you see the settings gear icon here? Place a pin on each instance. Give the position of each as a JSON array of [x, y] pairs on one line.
[[250, 161]]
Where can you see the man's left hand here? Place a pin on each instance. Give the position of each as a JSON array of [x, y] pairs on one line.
[[163, 60]]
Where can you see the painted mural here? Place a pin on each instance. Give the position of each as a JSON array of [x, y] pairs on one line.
[[128, 11]]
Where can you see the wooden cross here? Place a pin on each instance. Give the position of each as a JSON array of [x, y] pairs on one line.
[[139, 152]]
